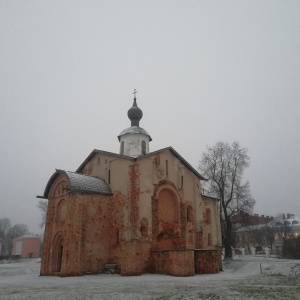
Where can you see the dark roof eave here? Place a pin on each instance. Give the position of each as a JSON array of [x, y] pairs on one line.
[[89, 192], [213, 198]]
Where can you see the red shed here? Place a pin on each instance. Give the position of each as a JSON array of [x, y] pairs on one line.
[[27, 246]]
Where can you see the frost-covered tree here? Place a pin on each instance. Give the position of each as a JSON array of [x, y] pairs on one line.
[[5, 226], [42, 206], [223, 166], [8, 233]]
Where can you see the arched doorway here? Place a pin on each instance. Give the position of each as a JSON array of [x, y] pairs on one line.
[[58, 248]]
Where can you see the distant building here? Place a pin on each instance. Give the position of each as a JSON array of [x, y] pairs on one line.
[[256, 232], [27, 246], [246, 219], [138, 210], [285, 227]]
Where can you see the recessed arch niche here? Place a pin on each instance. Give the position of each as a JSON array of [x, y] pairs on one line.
[[61, 211], [168, 211], [168, 220]]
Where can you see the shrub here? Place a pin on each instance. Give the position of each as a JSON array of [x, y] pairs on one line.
[[291, 248]]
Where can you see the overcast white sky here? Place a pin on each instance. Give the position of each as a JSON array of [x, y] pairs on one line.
[[205, 71]]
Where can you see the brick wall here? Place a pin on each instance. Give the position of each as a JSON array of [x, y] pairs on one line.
[[134, 257], [88, 237], [207, 261], [173, 262]]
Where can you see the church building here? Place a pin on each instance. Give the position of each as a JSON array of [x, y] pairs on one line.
[[139, 211]]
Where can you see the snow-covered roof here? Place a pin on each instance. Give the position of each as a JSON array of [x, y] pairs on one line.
[[250, 228], [295, 221], [135, 130], [80, 183]]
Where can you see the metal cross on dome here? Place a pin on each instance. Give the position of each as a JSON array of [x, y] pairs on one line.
[[135, 91]]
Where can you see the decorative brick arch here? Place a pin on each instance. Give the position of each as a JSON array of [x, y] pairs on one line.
[[166, 216], [61, 211], [58, 186], [166, 184], [57, 252]]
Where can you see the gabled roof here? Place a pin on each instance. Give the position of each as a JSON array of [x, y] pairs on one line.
[[95, 151], [178, 156], [80, 183], [170, 149]]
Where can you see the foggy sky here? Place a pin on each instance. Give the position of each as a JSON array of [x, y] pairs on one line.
[[205, 71]]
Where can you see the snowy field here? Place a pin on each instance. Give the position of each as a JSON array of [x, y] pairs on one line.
[[241, 279]]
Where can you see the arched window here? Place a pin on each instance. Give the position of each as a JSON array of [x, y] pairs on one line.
[[122, 148], [167, 168], [208, 216], [209, 241], [143, 147], [117, 236], [189, 214]]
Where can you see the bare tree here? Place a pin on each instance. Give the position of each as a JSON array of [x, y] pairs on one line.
[[223, 165], [269, 232], [42, 206], [8, 233], [5, 226], [258, 236], [16, 231]]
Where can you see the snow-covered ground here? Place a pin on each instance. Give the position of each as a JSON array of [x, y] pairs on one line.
[[241, 279]]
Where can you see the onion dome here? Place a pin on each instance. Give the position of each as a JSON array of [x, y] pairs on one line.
[[134, 141], [135, 114]]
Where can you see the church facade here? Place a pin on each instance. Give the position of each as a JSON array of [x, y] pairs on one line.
[[141, 211]]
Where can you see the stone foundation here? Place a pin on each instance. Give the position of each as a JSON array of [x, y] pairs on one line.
[[173, 262], [207, 261]]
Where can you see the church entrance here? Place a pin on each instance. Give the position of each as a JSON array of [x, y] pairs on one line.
[[57, 253], [59, 258]]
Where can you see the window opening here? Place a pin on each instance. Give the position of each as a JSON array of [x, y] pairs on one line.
[[189, 214], [167, 168], [208, 216], [122, 148], [209, 241], [143, 147]]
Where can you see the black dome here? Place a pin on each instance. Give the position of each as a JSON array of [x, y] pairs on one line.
[[135, 114]]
